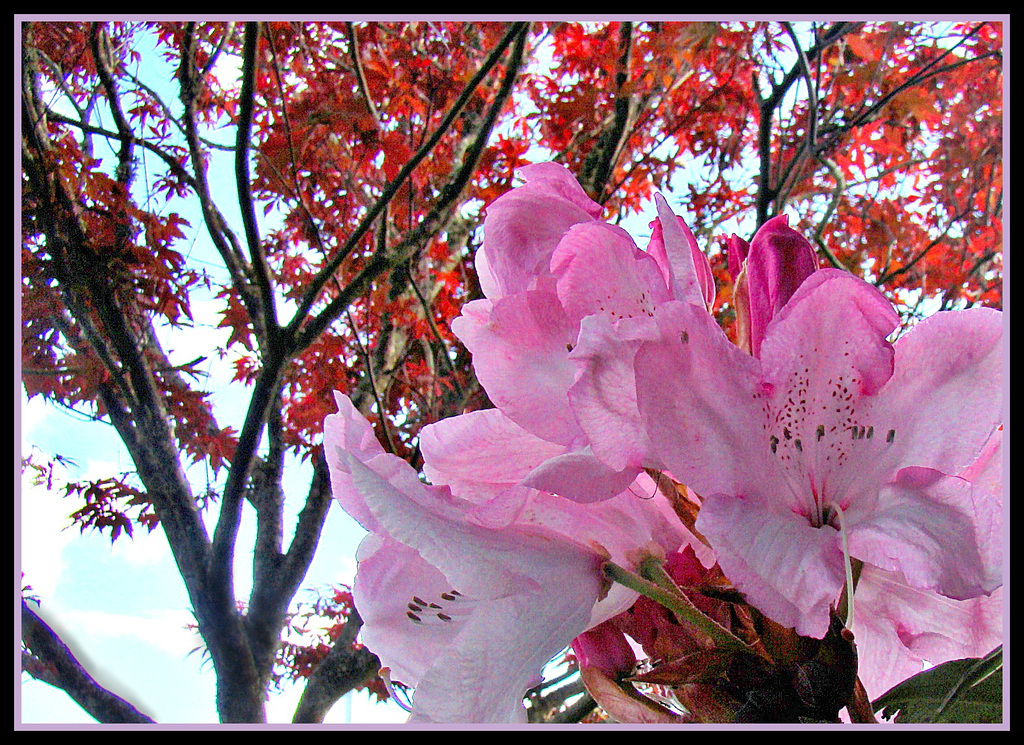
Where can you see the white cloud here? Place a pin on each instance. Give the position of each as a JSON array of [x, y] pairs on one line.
[[43, 515], [164, 629]]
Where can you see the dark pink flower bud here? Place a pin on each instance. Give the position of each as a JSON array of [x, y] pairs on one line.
[[777, 262], [606, 648]]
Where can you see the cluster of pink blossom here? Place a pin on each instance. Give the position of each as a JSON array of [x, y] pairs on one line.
[[816, 456]]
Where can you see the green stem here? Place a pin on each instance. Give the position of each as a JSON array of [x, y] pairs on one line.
[[653, 582]]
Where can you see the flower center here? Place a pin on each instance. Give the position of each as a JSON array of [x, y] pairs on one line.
[[813, 437]]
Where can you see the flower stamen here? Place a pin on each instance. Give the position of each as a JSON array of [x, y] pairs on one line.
[[848, 565], [422, 611]]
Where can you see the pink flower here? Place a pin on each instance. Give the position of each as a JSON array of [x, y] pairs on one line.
[[814, 440], [467, 589], [558, 281], [831, 427], [900, 628]]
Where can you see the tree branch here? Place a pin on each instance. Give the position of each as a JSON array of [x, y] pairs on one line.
[[292, 341], [145, 426], [51, 661], [837, 194], [353, 51], [100, 47], [920, 76], [172, 163], [923, 252], [600, 162], [244, 128], [277, 577], [224, 240], [389, 191], [344, 668], [766, 106]]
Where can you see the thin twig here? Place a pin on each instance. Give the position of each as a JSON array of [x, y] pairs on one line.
[[766, 108], [381, 412], [364, 90], [837, 194]]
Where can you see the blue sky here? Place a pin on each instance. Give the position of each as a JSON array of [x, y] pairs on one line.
[[122, 606]]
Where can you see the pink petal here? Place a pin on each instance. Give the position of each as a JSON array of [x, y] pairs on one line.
[[600, 270], [616, 528], [823, 355], [779, 259], [469, 658], [986, 477], [520, 346], [736, 254], [580, 476], [344, 432], [634, 518], [389, 577], [945, 398], [686, 268], [925, 525], [787, 569], [452, 605], [523, 227], [481, 447], [497, 656], [699, 398], [606, 648], [557, 182], [834, 327], [484, 456], [603, 398]]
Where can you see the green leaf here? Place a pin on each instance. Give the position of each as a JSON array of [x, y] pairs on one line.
[[959, 691]]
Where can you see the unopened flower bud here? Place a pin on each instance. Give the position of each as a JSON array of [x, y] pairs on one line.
[[606, 648]]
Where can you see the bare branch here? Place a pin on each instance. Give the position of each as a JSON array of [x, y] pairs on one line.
[[888, 277], [223, 238], [293, 341], [256, 257], [51, 661], [600, 162], [345, 668], [925, 73], [172, 163], [353, 50], [837, 194], [144, 425], [101, 53], [767, 191]]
